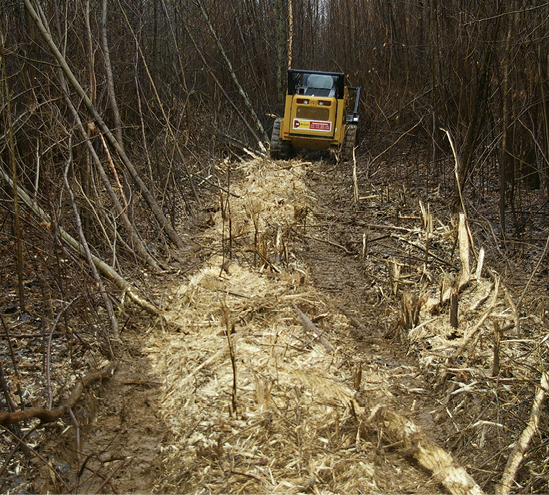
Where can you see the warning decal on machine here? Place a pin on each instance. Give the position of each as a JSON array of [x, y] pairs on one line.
[[312, 125]]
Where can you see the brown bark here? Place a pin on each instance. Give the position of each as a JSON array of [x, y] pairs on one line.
[[47, 416]]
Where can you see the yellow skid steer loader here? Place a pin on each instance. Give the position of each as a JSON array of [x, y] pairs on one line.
[[317, 115]]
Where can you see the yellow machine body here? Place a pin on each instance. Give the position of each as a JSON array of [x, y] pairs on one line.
[[317, 114], [314, 122]]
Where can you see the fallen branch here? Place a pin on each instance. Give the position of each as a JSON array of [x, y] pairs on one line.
[[47, 416], [377, 226], [517, 455], [310, 327], [105, 269], [331, 243], [399, 429], [426, 251]]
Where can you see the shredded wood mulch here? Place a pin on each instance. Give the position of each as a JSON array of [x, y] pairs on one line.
[[312, 341], [262, 369]]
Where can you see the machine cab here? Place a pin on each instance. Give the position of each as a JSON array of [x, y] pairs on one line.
[[318, 85], [317, 114]]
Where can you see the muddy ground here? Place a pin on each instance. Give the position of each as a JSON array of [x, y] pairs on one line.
[[336, 262]]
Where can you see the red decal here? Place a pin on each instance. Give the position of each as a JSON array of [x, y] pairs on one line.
[[320, 126]]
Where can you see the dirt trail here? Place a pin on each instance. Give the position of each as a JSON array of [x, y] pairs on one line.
[[345, 278], [165, 420]]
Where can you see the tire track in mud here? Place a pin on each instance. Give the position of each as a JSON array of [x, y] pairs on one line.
[[356, 293]]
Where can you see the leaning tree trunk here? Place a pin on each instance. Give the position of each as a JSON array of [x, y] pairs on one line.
[[87, 253], [105, 269], [149, 198], [241, 91], [112, 99], [136, 241]]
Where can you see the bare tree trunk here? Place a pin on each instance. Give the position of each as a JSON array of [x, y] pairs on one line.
[[86, 182], [110, 80], [290, 32], [113, 102], [84, 244], [136, 240], [281, 42], [13, 165], [241, 91], [545, 168], [504, 156], [280, 45], [149, 198]]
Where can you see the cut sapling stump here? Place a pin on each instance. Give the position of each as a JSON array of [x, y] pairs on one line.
[[310, 327]]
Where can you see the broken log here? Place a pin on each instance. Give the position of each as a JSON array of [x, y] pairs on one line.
[[432, 457], [47, 416]]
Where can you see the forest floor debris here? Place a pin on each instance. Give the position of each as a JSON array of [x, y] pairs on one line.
[[291, 424], [298, 330]]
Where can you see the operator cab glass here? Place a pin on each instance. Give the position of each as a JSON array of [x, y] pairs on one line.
[[318, 85]]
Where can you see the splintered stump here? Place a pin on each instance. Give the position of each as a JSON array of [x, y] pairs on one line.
[[411, 306], [445, 469]]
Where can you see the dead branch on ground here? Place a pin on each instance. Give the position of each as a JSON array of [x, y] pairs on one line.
[[48, 416], [310, 327], [519, 450]]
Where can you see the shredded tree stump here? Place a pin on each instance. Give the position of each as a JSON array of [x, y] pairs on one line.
[[432, 457]]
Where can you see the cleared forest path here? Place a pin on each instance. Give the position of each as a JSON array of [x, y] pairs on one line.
[[234, 392]]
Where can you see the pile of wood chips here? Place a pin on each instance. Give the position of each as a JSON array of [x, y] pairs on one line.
[[255, 402]]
